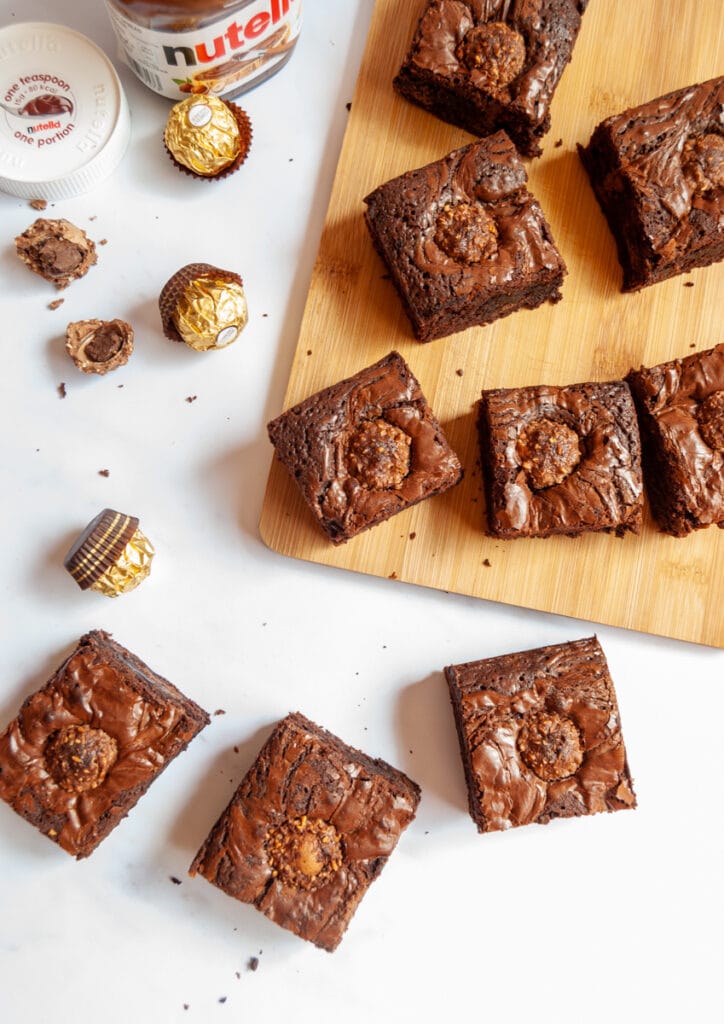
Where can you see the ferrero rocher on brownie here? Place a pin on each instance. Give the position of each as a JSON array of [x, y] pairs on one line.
[[207, 137], [540, 735], [98, 346], [85, 747], [111, 556], [203, 306], [309, 829]]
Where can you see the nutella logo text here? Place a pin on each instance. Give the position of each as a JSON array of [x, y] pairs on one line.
[[236, 37]]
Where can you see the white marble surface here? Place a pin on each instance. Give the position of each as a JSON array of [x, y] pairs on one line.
[[611, 917]]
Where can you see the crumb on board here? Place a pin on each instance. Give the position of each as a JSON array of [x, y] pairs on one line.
[[459, 372], [558, 143], [486, 563]]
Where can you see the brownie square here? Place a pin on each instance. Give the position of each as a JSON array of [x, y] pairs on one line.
[[85, 748], [561, 460], [540, 736], [681, 414], [365, 448], [489, 65], [658, 174], [308, 830], [464, 240]]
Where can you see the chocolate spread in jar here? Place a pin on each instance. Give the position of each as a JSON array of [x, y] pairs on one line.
[[192, 47]]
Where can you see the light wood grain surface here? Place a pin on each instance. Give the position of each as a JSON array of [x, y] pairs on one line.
[[626, 54]]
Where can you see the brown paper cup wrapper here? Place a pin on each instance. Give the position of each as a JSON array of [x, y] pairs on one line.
[[174, 287], [245, 136]]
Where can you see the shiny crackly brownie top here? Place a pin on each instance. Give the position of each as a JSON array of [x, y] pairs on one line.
[[561, 459], [365, 448], [684, 399], [462, 226], [671, 153], [513, 50], [541, 735], [81, 745], [307, 831]]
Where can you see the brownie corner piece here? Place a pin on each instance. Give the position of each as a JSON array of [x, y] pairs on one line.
[[680, 406], [464, 240], [656, 172], [561, 460], [365, 448], [85, 747], [488, 66], [540, 735], [310, 827]]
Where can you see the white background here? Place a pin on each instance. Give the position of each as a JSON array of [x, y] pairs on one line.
[[614, 917]]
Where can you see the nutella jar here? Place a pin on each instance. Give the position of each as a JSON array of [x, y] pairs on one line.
[[223, 47]]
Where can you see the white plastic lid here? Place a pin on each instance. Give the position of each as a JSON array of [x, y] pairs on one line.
[[64, 121]]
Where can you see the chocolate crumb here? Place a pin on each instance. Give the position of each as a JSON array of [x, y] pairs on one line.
[[253, 963], [413, 535], [186, 1006], [219, 711], [103, 241], [236, 750], [237, 974], [348, 106], [392, 576], [55, 303], [558, 143], [693, 345], [191, 398], [688, 284], [486, 562], [61, 390], [459, 373], [104, 472], [38, 204], [265, 314], [222, 999], [94, 217], [175, 880], [309, 351]]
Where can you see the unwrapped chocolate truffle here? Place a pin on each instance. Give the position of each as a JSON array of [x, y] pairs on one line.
[[111, 555], [97, 346], [207, 137], [57, 250], [203, 306]]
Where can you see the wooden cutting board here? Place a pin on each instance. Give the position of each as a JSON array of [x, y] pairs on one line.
[[626, 53]]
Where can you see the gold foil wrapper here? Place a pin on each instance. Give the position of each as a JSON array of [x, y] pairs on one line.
[[202, 133], [210, 313], [131, 568]]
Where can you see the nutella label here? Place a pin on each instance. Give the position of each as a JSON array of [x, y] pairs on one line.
[[223, 58], [39, 109]]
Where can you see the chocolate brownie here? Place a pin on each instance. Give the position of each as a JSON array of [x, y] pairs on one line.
[[308, 830], [540, 735], [681, 414], [85, 748], [658, 174], [365, 448], [464, 240], [561, 460], [489, 64]]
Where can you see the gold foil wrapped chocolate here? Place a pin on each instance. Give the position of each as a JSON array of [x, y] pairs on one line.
[[203, 306], [207, 137], [111, 556]]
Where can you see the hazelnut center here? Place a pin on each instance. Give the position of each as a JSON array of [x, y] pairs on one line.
[[378, 455], [702, 160], [58, 256], [105, 343], [494, 52], [466, 232], [711, 420], [550, 745], [79, 757], [303, 852], [548, 451]]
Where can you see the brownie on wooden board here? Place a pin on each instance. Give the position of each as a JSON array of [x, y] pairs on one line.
[[310, 827], [658, 174], [464, 240], [540, 735], [490, 64], [681, 414], [86, 747], [561, 460], [365, 448]]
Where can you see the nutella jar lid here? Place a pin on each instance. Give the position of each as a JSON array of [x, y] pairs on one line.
[[64, 120]]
